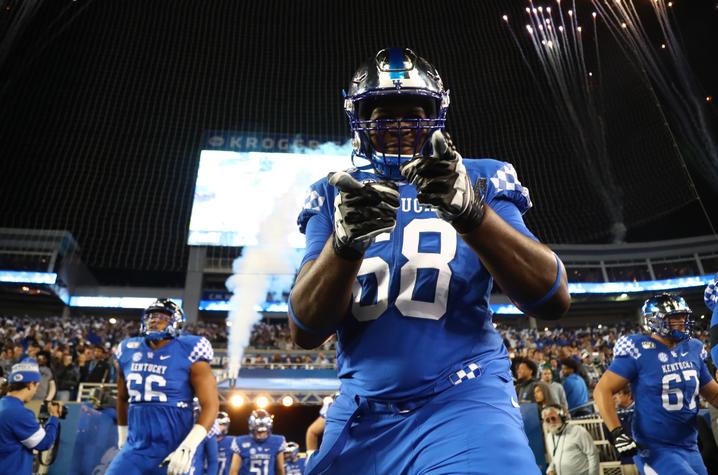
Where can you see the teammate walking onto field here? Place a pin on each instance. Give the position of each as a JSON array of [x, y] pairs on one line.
[[667, 372], [159, 373]]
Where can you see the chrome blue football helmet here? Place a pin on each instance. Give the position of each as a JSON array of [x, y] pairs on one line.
[[291, 450], [394, 75], [260, 424], [222, 422], [660, 308], [165, 307]]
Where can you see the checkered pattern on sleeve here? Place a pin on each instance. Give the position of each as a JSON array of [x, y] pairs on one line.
[[118, 351], [202, 351], [470, 371], [626, 347], [710, 296], [506, 179]]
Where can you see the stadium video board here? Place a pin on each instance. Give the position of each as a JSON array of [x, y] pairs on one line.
[[236, 192]]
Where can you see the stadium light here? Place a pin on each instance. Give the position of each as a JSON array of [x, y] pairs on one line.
[[237, 400], [287, 401], [113, 320], [262, 402]]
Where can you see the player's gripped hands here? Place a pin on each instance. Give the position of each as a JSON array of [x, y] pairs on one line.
[[624, 443], [443, 183], [362, 211]]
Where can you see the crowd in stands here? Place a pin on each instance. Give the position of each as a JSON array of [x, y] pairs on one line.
[[559, 366]]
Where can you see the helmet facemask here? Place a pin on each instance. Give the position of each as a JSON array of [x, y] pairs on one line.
[[401, 82], [661, 312], [164, 311]]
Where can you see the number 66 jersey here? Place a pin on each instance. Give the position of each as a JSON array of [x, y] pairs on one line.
[[420, 308], [159, 389], [665, 384]]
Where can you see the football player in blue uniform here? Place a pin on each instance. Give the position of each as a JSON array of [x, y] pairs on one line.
[[711, 299], [224, 443], [260, 452], [401, 257], [159, 373], [667, 372], [293, 463]]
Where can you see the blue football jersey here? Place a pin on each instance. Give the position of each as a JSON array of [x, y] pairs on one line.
[[159, 388], [665, 384], [258, 458], [421, 298], [224, 454], [296, 467]]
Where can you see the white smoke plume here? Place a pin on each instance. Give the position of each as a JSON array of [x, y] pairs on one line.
[[252, 273], [273, 256]]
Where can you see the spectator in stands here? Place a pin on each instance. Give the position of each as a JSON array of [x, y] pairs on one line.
[[82, 366], [99, 370], [526, 380], [575, 387], [557, 392], [572, 449], [542, 395], [46, 388], [68, 379], [7, 359], [568, 352]]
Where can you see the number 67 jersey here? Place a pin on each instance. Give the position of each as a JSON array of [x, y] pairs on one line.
[[665, 384], [159, 389], [420, 309]]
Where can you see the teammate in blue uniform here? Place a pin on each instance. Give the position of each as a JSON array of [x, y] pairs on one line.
[[293, 463], [667, 372], [401, 257], [158, 375], [260, 452], [711, 299], [224, 444]]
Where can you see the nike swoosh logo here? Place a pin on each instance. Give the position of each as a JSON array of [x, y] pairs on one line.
[[164, 357], [684, 354], [514, 403]]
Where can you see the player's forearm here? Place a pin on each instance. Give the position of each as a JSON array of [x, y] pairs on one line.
[[321, 297], [312, 439], [603, 397], [524, 269], [121, 407]]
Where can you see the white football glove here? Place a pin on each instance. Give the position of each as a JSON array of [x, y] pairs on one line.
[[180, 461], [121, 436], [362, 211], [443, 183]]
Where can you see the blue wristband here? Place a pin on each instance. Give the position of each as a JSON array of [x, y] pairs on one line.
[[296, 321], [551, 291]]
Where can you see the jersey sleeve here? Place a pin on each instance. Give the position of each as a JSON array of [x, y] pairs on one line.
[[26, 428], [201, 351], [317, 201], [503, 184], [118, 351], [704, 374], [281, 444], [314, 219], [625, 356]]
